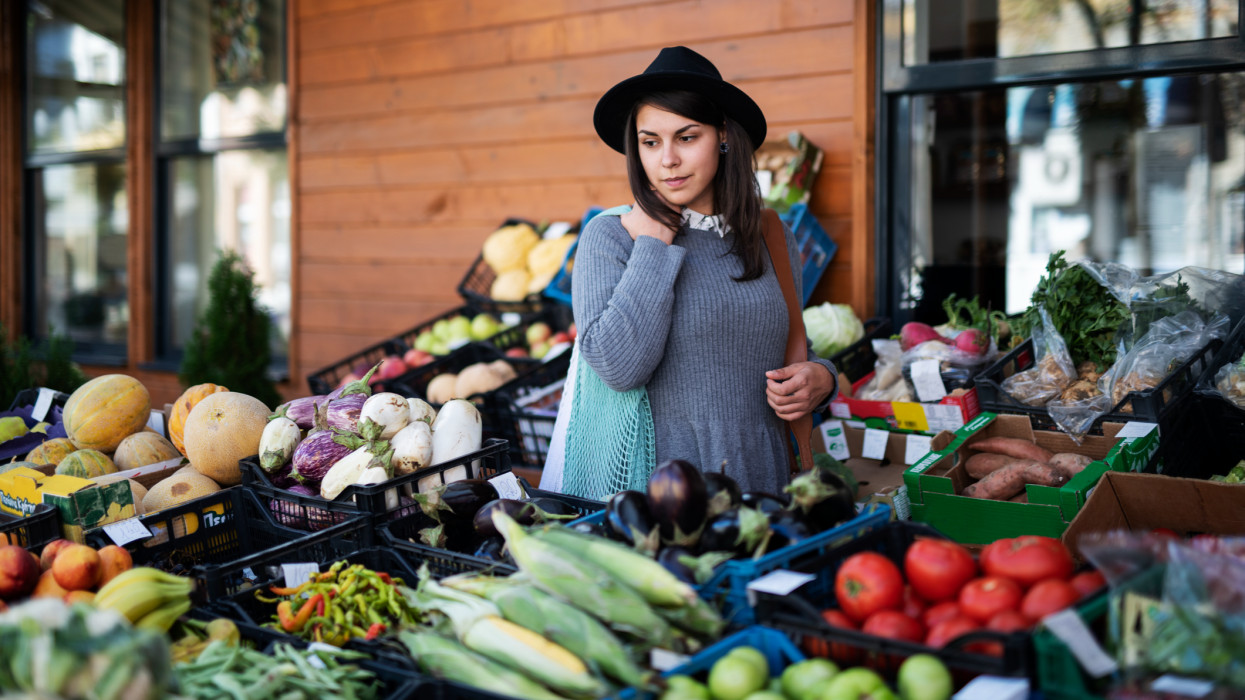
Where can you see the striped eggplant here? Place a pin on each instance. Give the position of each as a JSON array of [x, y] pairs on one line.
[[343, 413], [301, 411], [315, 455]]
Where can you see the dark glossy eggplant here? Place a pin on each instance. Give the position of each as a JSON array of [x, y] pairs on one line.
[[723, 493], [821, 499], [739, 531], [787, 530], [678, 501], [669, 557], [523, 512], [628, 519], [554, 507], [769, 504], [492, 548]]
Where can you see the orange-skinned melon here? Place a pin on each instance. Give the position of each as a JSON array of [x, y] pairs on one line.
[[222, 429], [143, 448], [104, 411], [182, 407]]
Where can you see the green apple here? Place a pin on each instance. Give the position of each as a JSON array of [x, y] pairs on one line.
[[538, 332], [857, 684], [440, 329], [753, 656], [766, 695], [735, 678], [424, 341], [484, 326], [458, 330], [924, 677], [439, 347], [800, 679], [680, 687], [539, 350]]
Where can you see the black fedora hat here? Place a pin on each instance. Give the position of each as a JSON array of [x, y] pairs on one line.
[[675, 68]]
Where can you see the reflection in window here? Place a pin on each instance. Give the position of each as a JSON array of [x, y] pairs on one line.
[[1150, 173]]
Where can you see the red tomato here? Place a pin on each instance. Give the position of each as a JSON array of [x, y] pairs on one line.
[[846, 654], [913, 606], [1008, 621], [983, 598], [893, 624], [937, 569], [866, 583], [942, 611], [1027, 559], [948, 630], [1087, 583], [1046, 597]]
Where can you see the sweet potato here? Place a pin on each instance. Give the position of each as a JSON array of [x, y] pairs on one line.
[[984, 463], [1022, 498], [1070, 463], [1009, 481], [1013, 447]]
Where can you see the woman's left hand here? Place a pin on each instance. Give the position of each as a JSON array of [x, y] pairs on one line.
[[795, 390]]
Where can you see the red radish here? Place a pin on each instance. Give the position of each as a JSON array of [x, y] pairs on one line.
[[913, 334], [973, 341]]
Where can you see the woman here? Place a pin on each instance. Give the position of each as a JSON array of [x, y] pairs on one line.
[[677, 295]]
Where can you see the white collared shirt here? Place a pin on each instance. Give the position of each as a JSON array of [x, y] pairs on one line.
[[702, 222]]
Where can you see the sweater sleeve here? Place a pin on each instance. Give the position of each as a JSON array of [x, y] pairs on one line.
[[623, 294], [797, 272]]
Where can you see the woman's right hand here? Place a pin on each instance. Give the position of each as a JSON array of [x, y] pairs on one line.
[[639, 223]]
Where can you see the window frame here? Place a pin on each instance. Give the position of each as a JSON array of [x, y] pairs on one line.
[[897, 85]]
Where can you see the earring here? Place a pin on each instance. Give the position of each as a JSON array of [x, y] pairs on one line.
[[724, 147]]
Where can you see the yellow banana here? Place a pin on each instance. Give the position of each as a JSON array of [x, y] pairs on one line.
[[141, 573], [163, 617]]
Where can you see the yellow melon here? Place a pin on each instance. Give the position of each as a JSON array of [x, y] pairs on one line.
[[51, 452], [86, 464], [182, 408], [143, 448], [222, 429], [102, 412], [177, 489]]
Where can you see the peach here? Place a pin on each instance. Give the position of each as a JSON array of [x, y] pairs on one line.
[[77, 568], [51, 550], [113, 560], [18, 572], [87, 597], [48, 587]]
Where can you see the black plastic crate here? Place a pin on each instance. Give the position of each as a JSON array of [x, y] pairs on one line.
[[1152, 405], [27, 397], [530, 427], [585, 506], [32, 531], [415, 382], [1208, 434], [375, 499], [857, 360], [799, 615], [477, 285]]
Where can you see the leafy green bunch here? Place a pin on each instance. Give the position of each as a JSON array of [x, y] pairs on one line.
[[963, 314], [1083, 311]]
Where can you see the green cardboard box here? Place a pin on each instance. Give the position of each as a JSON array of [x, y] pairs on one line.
[[935, 481]]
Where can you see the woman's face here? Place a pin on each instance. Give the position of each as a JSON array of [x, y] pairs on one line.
[[680, 157]]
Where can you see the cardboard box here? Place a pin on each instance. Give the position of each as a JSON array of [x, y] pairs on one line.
[[934, 482], [83, 504], [950, 413], [881, 479], [1125, 501]]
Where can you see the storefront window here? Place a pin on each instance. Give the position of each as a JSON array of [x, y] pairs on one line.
[[1147, 172], [937, 31]]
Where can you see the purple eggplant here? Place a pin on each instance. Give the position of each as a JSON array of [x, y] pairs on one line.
[[678, 501], [821, 499], [628, 519], [343, 413], [522, 512], [301, 411], [672, 558], [317, 453], [723, 491], [740, 531], [283, 478], [770, 504], [303, 516]]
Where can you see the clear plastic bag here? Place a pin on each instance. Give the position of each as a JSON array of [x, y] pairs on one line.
[[1168, 343], [1053, 372], [887, 383], [957, 366], [1229, 382]]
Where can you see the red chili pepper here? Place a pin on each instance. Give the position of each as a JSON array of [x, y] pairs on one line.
[[295, 623], [384, 577], [319, 605], [374, 631]]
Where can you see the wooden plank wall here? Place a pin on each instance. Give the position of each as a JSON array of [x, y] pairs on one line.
[[422, 124]]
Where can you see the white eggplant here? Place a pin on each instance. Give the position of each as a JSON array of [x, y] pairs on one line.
[[377, 475], [349, 469], [277, 443], [412, 448], [383, 415], [421, 411], [456, 432]]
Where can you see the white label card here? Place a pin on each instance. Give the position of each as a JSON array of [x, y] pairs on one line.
[[1179, 685], [43, 404], [1136, 429], [556, 230], [297, 574], [507, 486], [939, 417], [927, 378], [1071, 630], [836, 440], [838, 409], [662, 660], [875, 444], [780, 582], [916, 448], [126, 531], [903, 505], [994, 688], [155, 421]]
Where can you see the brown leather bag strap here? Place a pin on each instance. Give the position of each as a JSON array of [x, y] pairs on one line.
[[797, 346]]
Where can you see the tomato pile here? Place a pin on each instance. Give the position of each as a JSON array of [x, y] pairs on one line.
[[942, 592]]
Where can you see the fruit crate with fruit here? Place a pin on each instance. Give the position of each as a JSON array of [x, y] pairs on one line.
[[224, 526], [32, 531], [376, 501], [777, 650], [530, 257]]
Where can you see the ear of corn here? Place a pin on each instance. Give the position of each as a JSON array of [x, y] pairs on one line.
[[700, 619], [528, 652], [446, 658], [649, 578]]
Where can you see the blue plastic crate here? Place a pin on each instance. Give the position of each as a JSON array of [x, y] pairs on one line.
[[728, 589], [816, 248], [778, 650], [559, 289]]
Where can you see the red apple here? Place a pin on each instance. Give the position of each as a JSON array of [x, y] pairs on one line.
[[538, 333], [516, 352], [19, 573], [560, 337], [390, 367], [417, 358]]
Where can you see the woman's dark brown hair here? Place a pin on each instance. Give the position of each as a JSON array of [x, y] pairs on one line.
[[735, 192]]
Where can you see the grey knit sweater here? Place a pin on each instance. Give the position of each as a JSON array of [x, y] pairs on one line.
[[672, 319]]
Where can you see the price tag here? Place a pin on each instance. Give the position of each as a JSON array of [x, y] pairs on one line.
[[839, 409], [927, 379], [556, 230], [939, 417], [875, 444], [1179, 685], [155, 421], [902, 504], [507, 486], [314, 659], [297, 574], [43, 404], [994, 688], [917, 447], [1071, 630], [836, 440], [662, 660], [126, 531], [780, 582], [1136, 429]]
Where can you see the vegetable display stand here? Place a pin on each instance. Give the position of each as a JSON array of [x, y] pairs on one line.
[[197, 537], [799, 615], [476, 286], [526, 408], [727, 590], [949, 413], [858, 359], [374, 500], [778, 650], [33, 531]]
